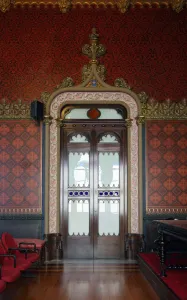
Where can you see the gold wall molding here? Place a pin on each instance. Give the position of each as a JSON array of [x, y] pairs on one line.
[[122, 5], [166, 110], [15, 110]]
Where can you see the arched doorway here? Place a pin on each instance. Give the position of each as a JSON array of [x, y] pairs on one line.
[[93, 92], [93, 181]]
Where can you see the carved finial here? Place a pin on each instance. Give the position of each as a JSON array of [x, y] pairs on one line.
[[94, 50], [94, 35]]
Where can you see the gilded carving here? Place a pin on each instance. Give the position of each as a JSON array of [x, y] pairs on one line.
[[128, 122], [47, 120], [15, 110], [166, 110], [67, 82], [94, 50], [5, 5], [123, 5], [140, 120], [58, 122], [87, 70], [64, 5], [121, 83], [177, 5]]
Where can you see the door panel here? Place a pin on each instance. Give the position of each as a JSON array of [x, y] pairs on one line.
[[92, 195]]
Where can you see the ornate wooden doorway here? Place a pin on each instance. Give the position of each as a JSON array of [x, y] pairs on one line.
[[94, 183]]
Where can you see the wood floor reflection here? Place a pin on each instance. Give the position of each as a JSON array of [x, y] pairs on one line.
[[82, 282]]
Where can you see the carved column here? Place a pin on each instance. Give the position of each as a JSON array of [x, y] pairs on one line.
[[47, 121], [140, 120], [128, 123], [58, 125]]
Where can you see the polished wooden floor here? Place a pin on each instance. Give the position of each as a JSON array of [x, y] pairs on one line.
[[82, 281]]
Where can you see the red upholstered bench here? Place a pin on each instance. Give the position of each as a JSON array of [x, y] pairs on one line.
[[40, 244]]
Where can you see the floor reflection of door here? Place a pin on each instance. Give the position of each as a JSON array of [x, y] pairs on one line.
[[93, 190]]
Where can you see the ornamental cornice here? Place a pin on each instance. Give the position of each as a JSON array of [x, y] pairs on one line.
[[66, 5]]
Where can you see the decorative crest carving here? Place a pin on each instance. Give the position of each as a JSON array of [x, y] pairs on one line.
[[120, 82], [166, 110], [5, 5], [87, 70], [94, 50], [123, 5], [14, 110], [177, 5], [67, 82], [64, 5]]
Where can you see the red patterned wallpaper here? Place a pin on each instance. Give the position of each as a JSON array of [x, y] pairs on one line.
[[166, 160], [41, 47], [20, 176]]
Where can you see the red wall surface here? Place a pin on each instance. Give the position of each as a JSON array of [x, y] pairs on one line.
[[41, 47], [166, 164], [20, 164]]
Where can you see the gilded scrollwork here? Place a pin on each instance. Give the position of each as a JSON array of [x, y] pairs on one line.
[[128, 122], [15, 110], [94, 50], [58, 122], [64, 5], [177, 5], [166, 110], [67, 82], [121, 83], [123, 5], [140, 120], [87, 70], [47, 120], [5, 5]]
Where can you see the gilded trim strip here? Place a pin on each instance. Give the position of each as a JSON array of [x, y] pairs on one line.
[[122, 5]]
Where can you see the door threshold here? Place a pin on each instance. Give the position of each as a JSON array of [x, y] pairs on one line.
[[91, 262]]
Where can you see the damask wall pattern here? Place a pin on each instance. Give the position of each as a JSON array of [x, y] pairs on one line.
[[41, 47], [166, 160], [20, 167]]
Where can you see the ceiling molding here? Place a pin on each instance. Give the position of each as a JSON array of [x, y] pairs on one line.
[[66, 5]]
